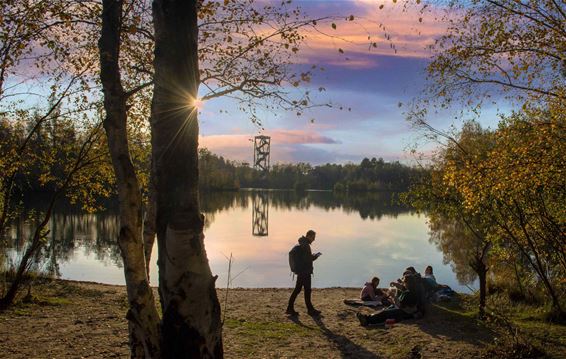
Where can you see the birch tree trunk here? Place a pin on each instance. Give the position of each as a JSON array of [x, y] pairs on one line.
[[149, 222], [191, 325], [143, 319]]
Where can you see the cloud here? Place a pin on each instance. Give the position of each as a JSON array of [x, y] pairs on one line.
[[287, 146], [370, 81], [393, 77], [280, 136], [404, 30], [300, 137]]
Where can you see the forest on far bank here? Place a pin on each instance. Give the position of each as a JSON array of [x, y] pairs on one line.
[[53, 142], [370, 175]]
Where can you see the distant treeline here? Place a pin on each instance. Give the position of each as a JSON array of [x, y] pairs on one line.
[[55, 143], [218, 173]]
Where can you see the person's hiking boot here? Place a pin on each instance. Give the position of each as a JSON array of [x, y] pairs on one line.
[[363, 319], [291, 312], [314, 313]]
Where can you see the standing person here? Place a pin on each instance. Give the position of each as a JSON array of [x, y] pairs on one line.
[[303, 269]]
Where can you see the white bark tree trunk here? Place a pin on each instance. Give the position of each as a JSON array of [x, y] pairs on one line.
[[143, 319], [191, 326]]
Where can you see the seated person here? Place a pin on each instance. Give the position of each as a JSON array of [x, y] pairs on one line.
[[429, 280], [410, 270], [411, 305], [399, 284], [429, 276], [370, 292]]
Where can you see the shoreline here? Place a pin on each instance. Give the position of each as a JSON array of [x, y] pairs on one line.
[[233, 288]]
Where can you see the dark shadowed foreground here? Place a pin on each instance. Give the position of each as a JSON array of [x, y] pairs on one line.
[[86, 320]]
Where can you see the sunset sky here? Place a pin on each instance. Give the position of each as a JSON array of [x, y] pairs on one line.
[[371, 82]]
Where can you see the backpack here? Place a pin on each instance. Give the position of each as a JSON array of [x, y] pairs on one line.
[[295, 259]]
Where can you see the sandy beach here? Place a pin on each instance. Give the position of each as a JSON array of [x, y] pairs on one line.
[[87, 320]]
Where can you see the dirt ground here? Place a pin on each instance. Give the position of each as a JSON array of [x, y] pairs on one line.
[[87, 320]]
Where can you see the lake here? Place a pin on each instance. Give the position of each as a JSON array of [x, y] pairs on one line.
[[360, 236]]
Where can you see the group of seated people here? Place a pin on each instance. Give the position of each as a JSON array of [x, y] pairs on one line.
[[405, 299]]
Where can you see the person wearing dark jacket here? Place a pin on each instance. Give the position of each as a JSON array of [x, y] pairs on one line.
[[304, 272]]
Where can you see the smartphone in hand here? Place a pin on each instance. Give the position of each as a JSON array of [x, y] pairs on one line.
[[317, 254]]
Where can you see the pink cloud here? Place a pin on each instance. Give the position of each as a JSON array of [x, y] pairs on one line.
[[283, 144], [299, 137], [410, 31], [281, 136]]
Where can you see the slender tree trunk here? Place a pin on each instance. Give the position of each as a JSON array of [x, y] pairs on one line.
[[481, 269], [191, 325], [539, 262], [23, 267], [482, 274], [518, 279], [143, 319], [536, 264], [149, 223], [38, 236]]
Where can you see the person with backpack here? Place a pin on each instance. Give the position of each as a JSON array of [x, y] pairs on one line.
[[301, 262], [411, 304]]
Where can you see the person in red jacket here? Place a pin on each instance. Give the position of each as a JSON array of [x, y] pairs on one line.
[[304, 272]]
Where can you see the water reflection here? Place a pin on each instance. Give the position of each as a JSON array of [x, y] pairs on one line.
[[359, 236], [260, 214]]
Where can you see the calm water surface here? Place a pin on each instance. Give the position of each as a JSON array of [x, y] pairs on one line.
[[359, 236]]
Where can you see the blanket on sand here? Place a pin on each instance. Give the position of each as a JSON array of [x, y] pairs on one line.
[[366, 303]]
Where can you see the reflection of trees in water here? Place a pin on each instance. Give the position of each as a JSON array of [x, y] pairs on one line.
[[372, 205], [70, 229], [214, 202]]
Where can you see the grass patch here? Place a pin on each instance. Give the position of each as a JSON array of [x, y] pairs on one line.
[[22, 312], [45, 300], [51, 301], [270, 330], [67, 289], [456, 309], [249, 334], [398, 351]]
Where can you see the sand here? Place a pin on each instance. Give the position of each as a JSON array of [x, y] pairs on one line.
[[87, 320]]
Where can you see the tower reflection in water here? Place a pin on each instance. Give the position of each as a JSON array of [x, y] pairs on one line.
[[260, 214]]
